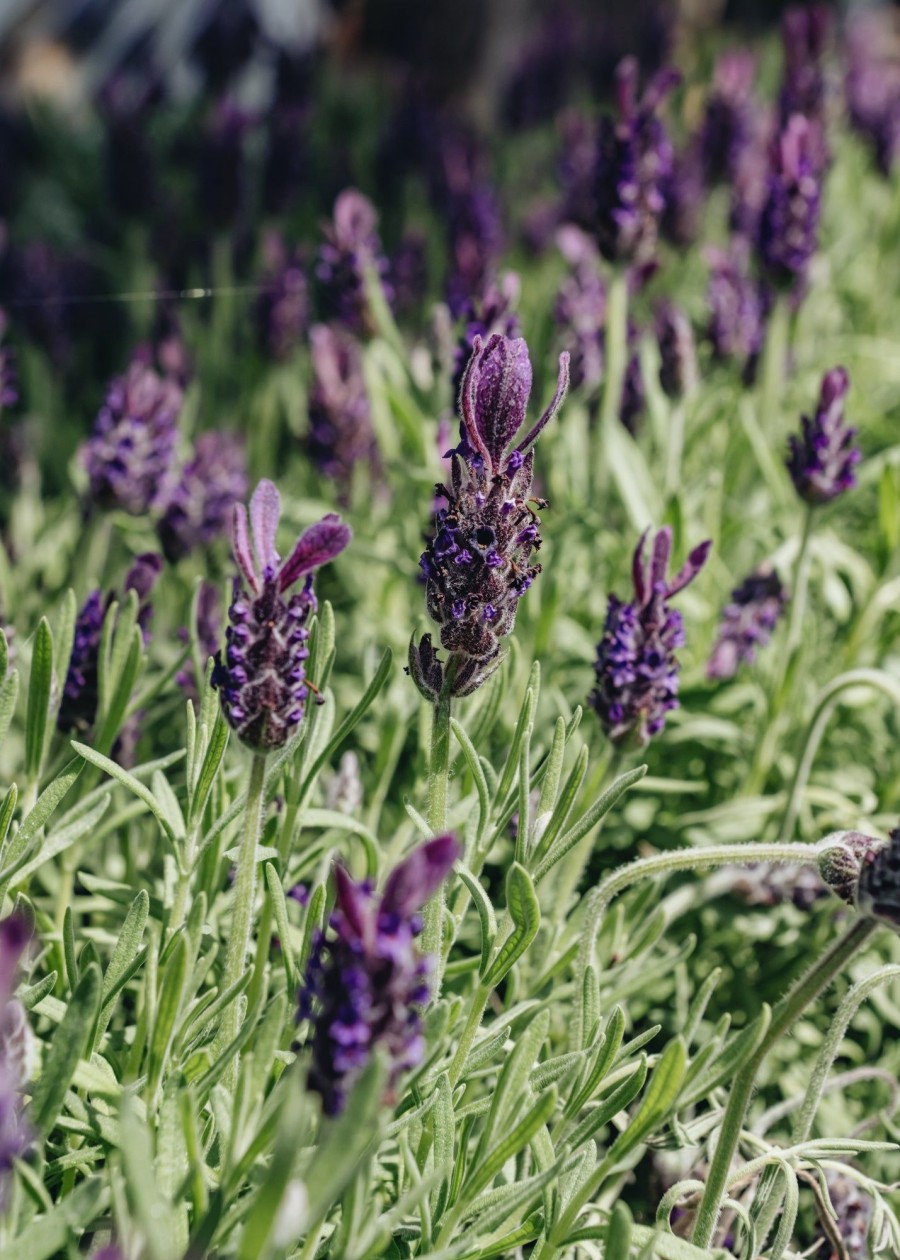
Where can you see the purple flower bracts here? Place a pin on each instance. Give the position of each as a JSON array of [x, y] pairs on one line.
[[823, 458]]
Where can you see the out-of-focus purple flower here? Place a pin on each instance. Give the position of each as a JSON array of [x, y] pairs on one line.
[[750, 186], [226, 35], [39, 281], [634, 162], [539, 224], [476, 243], [340, 422], [9, 392], [125, 103], [141, 578], [787, 234], [728, 120], [210, 483], [16, 1050], [580, 308], [478, 564], [220, 166], [634, 392], [747, 622], [129, 454], [283, 306], [409, 272], [367, 980], [737, 307], [542, 80], [677, 353], [822, 459], [854, 1210], [636, 667], [576, 168], [774, 883], [207, 627], [287, 158], [261, 679], [804, 35], [350, 258], [684, 193], [492, 311], [877, 892], [872, 84]]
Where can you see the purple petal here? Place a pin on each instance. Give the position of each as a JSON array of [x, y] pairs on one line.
[[467, 404], [502, 389], [412, 883], [351, 899], [562, 388], [659, 563], [639, 571], [692, 566], [265, 509], [321, 543], [240, 541]]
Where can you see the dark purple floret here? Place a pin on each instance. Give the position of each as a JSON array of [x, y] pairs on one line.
[[129, 454], [350, 258], [261, 679], [804, 36], [684, 194], [367, 981], [199, 509], [878, 886], [747, 622], [492, 311], [728, 121], [78, 706], [634, 163], [634, 393], [822, 460], [580, 309], [737, 307], [475, 228], [872, 85], [340, 422], [677, 353], [477, 566], [636, 666], [15, 1050], [409, 272], [787, 233], [9, 393], [283, 307]]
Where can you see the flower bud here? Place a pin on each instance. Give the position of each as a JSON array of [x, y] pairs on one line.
[[844, 857]]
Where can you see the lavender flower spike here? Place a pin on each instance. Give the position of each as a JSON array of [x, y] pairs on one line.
[[351, 253], [787, 234], [477, 566], [747, 622], [636, 667], [677, 353], [262, 678], [635, 158], [340, 420], [366, 979], [129, 455], [200, 505], [822, 459], [16, 1047]]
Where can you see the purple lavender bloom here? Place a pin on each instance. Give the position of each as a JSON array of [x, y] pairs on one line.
[[221, 165], [340, 422], [872, 86], [684, 193], [577, 169], [634, 392], [737, 307], [728, 121], [15, 1050], [854, 1209], [822, 459], [126, 101], [225, 38], [476, 243], [677, 353], [542, 79], [580, 308], [9, 393], [804, 36], [199, 509], [409, 272], [262, 678], [283, 307], [636, 666], [207, 628], [787, 233], [350, 256], [367, 980], [141, 578], [747, 622], [478, 564], [129, 454], [878, 885], [492, 311], [634, 162]]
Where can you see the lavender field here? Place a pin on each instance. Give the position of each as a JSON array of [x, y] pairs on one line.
[[449, 631]]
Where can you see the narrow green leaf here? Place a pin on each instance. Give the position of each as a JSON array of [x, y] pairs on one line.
[[345, 1141], [589, 820], [9, 692], [279, 909], [40, 686], [735, 1053], [171, 994], [523, 908], [48, 1235], [158, 1223], [64, 636], [485, 913], [515, 1140], [128, 780], [605, 1057], [62, 838], [526, 718], [7, 809], [68, 937], [618, 1234], [26, 839], [215, 751], [656, 1104], [123, 955], [67, 1046], [620, 1098]]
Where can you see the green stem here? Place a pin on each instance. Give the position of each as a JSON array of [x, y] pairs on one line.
[[800, 593], [825, 706], [469, 1033], [773, 366], [438, 781], [616, 354], [242, 911], [675, 449], [785, 1015]]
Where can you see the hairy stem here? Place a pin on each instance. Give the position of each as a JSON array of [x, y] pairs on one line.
[[786, 1013], [438, 779], [773, 366]]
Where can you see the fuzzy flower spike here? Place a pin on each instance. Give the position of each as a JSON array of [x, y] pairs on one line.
[[823, 458], [478, 564], [636, 667], [367, 980], [262, 678]]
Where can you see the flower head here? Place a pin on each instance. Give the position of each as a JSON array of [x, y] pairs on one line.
[[9, 394], [129, 454], [878, 885], [823, 457], [350, 258], [580, 308], [210, 483], [366, 978], [634, 160], [340, 421], [737, 307], [677, 353], [844, 859], [804, 36], [872, 85], [478, 564], [283, 307], [262, 678], [787, 232], [636, 667], [728, 120], [747, 622], [16, 1049], [491, 311]]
